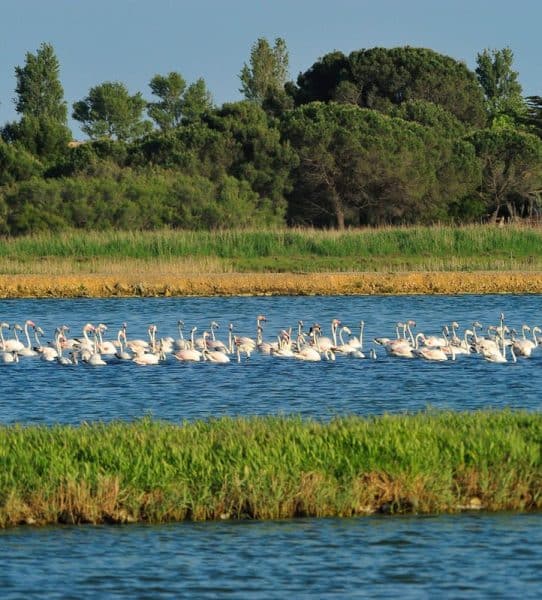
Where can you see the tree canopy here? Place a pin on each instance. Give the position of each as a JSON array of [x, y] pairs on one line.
[[267, 72], [378, 136], [380, 78], [109, 111]]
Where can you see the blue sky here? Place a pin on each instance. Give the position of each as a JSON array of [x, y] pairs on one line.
[[132, 40]]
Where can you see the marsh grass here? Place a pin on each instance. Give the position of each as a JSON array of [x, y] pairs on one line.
[[270, 467], [437, 248]]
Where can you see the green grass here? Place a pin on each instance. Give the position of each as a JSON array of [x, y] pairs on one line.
[[270, 467], [439, 248]]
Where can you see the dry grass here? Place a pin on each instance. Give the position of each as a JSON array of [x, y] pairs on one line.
[[165, 281]]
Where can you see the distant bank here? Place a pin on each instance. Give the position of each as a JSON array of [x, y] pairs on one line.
[[147, 284]]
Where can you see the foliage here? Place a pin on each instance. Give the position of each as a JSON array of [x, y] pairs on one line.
[[133, 201], [169, 89], [110, 112], [268, 70], [39, 91], [17, 164], [270, 467], [197, 101], [43, 129], [500, 83], [512, 171], [380, 78], [361, 167], [532, 119]]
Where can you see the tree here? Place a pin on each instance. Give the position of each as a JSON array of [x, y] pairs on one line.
[[381, 78], [532, 119], [110, 112], [268, 70], [16, 164], [500, 84], [512, 171], [168, 111], [43, 128], [197, 100], [253, 151], [40, 93], [358, 166]]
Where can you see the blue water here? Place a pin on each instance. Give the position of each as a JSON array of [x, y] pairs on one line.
[[468, 555]]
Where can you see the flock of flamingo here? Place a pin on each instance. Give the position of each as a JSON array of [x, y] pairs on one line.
[[499, 343]]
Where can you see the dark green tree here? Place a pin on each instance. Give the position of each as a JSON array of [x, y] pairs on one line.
[[380, 78], [17, 164], [360, 167], [512, 171], [110, 112], [321, 80], [532, 118], [500, 84], [267, 72], [254, 152]]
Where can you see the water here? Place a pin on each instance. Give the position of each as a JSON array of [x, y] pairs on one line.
[[37, 392], [474, 555]]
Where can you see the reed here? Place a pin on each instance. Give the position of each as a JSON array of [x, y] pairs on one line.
[[437, 248], [270, 467]]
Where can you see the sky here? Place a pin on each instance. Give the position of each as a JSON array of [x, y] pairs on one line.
[[133, 40]]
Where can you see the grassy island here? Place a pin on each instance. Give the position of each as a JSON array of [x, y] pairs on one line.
[[270, 467]]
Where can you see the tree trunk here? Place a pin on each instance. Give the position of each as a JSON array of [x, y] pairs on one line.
[[338, 209]]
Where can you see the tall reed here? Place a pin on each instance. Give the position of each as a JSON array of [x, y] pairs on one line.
[[416, 248], [270, 467]]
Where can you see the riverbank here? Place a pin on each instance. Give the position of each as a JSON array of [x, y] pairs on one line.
[[270, 467], [162, 282]]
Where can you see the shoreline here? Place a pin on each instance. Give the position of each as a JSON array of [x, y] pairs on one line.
[[269, 284]]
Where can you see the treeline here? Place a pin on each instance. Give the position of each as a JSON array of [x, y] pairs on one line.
[[381, 136]]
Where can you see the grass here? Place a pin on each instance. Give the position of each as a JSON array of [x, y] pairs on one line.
[[438, 248], [270, 467]]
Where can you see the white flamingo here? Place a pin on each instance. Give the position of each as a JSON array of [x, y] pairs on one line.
[[28, 350], [189, 354], [525, 346]]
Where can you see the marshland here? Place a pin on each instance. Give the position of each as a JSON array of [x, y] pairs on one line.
[[388, 190]]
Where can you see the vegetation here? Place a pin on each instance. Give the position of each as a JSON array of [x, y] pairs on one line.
[[410, 248], [379, 137], [270, 467]]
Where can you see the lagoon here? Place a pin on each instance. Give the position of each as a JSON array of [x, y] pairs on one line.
[[475, 554]]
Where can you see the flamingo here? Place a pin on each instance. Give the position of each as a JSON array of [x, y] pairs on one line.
[[327, 343], [28, 350], [189, 354], [9, 357], [49, 353], [525, 346], [147, 358], [180, 343], [121, 353], [133, 345], [284, 345], [104, 346], [13, 344], [216, 356]]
